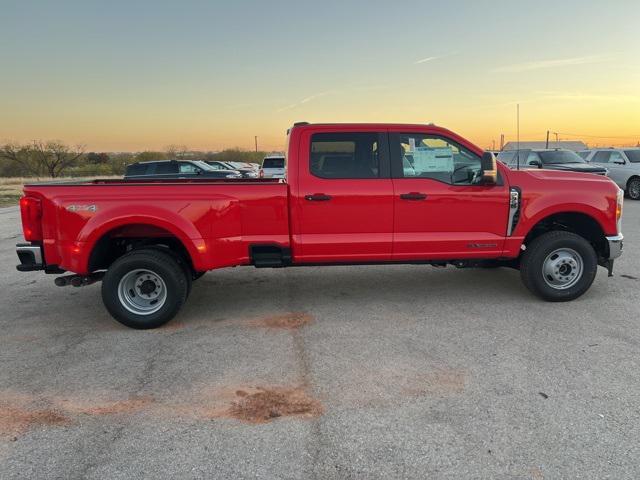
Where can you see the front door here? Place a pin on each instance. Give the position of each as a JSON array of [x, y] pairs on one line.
[[442, 211], [344, 202], [615, 163]]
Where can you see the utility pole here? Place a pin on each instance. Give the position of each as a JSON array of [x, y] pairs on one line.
[[557, 141], [547, 140], [501, 141], [493, 143], [256, 142]]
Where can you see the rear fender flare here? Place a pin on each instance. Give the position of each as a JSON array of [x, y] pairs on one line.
[[177, 225]]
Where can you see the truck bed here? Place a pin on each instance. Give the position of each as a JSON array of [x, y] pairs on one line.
[[216, 220]]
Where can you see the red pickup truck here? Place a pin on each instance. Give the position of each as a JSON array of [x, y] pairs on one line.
[[353, 194]]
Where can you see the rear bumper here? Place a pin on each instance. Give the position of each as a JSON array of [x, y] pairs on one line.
[[615, 246], [30, 256]]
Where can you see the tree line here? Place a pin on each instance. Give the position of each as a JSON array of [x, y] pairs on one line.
[[57, 159]]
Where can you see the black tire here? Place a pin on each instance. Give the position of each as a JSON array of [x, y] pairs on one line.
[[633, 188], [537, 252], [197, 275], [188, 272], [164, 270]]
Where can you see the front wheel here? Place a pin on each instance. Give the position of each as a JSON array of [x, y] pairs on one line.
[[559, 266], [144, 288], [633, 189]]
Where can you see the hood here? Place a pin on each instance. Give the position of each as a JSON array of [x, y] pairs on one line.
[[548, 175], [576, 167]]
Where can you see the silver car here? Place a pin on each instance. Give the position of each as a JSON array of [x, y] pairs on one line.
[[272, 167], [623, 165]]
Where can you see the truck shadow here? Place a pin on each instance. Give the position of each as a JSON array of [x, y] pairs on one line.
[[221, 296]]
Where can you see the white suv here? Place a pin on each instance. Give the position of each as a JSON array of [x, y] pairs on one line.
[[623, 165], [272, 167]]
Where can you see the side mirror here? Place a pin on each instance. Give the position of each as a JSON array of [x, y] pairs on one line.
[[489, 169], [536, 163]]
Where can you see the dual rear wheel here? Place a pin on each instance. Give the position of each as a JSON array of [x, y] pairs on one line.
[[146, 288]]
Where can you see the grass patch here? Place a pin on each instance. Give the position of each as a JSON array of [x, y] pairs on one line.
[[11, 187], [9, 199]]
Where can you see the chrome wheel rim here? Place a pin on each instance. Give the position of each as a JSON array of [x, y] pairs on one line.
[[562, 268], [142, 292], [634, 190]]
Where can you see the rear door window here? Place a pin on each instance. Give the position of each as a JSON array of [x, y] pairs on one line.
[[345, 155], [188, 168], [136, 169], [166, 168], [633, 155]]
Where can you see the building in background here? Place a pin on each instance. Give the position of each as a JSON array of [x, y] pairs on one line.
[[575, 145]]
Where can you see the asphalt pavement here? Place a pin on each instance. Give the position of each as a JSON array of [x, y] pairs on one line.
[[373, 372]]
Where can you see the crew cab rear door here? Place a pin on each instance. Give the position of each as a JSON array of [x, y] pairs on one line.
[[344, 201], [441, 209]]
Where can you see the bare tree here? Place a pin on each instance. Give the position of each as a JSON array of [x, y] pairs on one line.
[[20, 155], [176, 151], [54, 157]]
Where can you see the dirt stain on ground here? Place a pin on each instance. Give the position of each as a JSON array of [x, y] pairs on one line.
[[266, 404], [130, 405], [15, 421], [536, 474], [287, 321], [439, 382]]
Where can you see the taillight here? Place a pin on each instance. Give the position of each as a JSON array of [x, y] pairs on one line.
[[619, 203], [31, 213], [261, 173]]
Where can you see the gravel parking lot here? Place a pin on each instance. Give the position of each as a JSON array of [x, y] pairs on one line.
[[340, 372]]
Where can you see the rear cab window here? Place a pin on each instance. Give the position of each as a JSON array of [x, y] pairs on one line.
[[273, 163], [345, 155]]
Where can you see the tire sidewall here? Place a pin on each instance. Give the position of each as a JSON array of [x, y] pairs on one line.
[[631, 182], [546, 245], [163, 265]]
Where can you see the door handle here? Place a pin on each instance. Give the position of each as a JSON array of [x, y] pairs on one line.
[[317, 197], [413, 196]]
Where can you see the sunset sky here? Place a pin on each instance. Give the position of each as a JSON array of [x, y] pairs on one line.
[[136, 75]]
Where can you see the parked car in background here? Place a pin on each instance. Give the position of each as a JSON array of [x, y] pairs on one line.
[[272, 167], [623, 165], [246, 165], [177, 169], [557, 159], [247, 172]]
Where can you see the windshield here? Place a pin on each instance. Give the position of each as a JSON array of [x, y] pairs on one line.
[[203, 165], [560, 156], [633, 155]]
